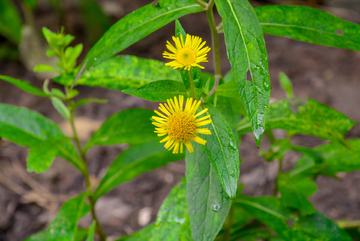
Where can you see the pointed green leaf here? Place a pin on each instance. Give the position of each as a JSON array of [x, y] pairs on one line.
[[10, 21], [223, 151], [208, 203], [137, 25], [159, 91], [91, 232], [309, 25], [304, 116], [172, 222], [124, 72], [64, 226], [294, 192], [42, 155], [133, 162], [246, 51], [129, 126], [45, 68], [286, 84], [336, 156], [142, 235], [25, 86], [28, 128], [60, 107]]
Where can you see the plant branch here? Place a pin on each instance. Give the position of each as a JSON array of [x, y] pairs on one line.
[[201, 3], [192, 84], [99, 229], [215, 44]]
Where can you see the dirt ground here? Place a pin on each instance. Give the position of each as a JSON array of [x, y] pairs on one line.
[[328, 75]]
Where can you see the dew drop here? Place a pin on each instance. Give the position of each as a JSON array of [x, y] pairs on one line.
[[216, 207], [168, 8], [95, 59]]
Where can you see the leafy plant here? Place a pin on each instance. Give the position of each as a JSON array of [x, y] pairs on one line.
[[207, 204]]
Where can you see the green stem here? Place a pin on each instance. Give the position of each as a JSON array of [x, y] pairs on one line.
[[215, 43], [201, 3], [272, 140], [192, 84], [229, 224], [99, 229]]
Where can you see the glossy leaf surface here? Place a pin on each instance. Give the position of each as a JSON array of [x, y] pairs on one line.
[[64, 226], [137, 25], [172, 222], [159, 91], [28, 128], [246, 51], [24, 85], [134, 161], [309, 25], [42, 155], [312, 227], [124, 72], [336, 156], [129, 126], [222, 150], [305, 116], [208, 203], [294, 192]]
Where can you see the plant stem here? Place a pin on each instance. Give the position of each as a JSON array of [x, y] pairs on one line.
[[99, 229], [201, 3], [215, 43], [192, 84]]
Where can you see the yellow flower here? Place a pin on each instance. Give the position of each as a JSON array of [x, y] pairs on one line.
[[181, 125], [188, 54]]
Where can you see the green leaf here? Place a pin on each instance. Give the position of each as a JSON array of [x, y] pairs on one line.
[[71, 54], [28, 128], [45, 68], [86, 101], [42, 155], [133, 162], [277, 150], [228, 89], [222, 150], [58, 93], [208, 202], [309, 25], [91, 232], [286, 84], [337, 158], [246, 51], [25, 86], [309, 228], [159, 91], [294, 192], [64, 226], [129, 126], [144, 234], [305, 116], [322, 228], [172, 222], [124, 72], [137, 25], [60, 107], [10, 21]]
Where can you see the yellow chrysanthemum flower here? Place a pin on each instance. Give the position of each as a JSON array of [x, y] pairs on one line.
[[188, 54], [181, 125]]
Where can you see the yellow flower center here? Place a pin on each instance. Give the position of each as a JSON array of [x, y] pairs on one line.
[[186, 56], [181, 127]]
